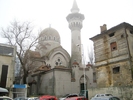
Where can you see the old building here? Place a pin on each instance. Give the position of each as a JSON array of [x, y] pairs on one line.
[[114, 55], [51, 69], [7, 65]]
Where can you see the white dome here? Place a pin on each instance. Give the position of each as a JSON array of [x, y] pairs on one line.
[[49, 34]]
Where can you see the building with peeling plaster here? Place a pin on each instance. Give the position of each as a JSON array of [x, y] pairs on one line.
[[114, 55], [51, 69]]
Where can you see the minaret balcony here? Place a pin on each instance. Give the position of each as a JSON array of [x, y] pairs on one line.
[[76, 16]]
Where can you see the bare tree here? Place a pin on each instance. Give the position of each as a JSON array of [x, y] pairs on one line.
[[91, 53], [20, 35]]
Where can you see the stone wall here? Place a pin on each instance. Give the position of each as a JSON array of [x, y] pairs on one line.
[[123, 92], [106, 76]]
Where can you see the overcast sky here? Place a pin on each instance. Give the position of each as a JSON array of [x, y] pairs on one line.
[[42, 13]]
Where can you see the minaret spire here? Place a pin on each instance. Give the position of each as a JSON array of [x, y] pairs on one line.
[[75, 8]]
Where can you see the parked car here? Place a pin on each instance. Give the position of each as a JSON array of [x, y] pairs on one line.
[[3, 91], [69, 95], [5, 98], [77, 98], [105, 98], [47, 97], [106, 94]]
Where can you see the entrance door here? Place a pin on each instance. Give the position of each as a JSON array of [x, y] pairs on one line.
[[83, 85]]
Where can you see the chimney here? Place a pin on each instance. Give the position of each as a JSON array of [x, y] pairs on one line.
[[103, 28]]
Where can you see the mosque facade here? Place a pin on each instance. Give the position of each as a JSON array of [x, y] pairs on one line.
[[53, 71]]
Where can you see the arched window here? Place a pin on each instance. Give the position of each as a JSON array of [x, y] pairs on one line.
[[45, 37], [49, 37], [54, 38]]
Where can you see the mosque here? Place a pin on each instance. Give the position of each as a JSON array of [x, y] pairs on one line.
[[53, 70]]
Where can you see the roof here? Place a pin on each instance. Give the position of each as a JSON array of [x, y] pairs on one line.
[[49, 32], [34, 54], [75, 63], [117, 27], [42, 68], [89, 65], [75, 8]]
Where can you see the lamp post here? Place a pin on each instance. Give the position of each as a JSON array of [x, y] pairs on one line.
[[82, 54]]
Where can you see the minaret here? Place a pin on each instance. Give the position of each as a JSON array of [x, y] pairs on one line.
[[75, 24]]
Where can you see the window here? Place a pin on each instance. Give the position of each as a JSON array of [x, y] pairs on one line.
[[131, 31], [58, 62], [94, 77], [122, 35], [113, 46], [49, 38], [114, 98], [116, 70], [74, 95], [58, 59], [111, 34]]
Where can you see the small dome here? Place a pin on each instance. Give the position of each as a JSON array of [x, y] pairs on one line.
[[49, 34]]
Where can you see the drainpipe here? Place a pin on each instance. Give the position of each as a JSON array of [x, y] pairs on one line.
[[129, 54]]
